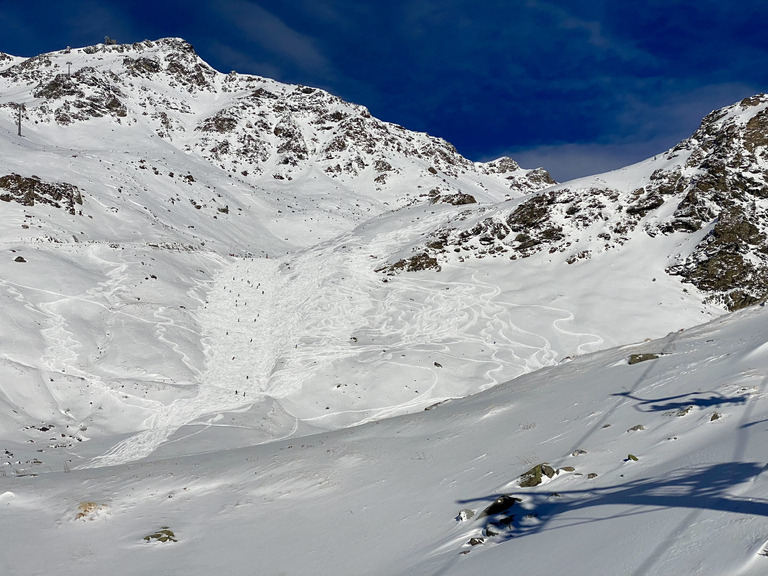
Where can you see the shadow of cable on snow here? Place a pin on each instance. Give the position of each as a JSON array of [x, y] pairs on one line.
[[667, 348], [755, 423], [702, 488]]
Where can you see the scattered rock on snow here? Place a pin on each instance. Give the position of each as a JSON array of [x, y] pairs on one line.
[[637, 358], [501, 504], [89, 510], [535, 475], [162, 535], [475, 541]]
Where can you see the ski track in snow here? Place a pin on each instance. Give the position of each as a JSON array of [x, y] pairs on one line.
[[270, 325], [61, 354], [63, 350], [233, 348]]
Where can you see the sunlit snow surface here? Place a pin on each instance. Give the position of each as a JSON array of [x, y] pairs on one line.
[[248, 380]]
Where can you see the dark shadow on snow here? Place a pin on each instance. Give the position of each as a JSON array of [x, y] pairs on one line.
[[699, 488], [755, 423], [682, 401]]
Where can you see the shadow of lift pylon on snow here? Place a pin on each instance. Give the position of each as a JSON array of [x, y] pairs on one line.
[[682, 401], [695, 488]]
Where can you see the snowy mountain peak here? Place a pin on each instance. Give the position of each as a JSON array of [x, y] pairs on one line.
[[203, 142], [241, 123]]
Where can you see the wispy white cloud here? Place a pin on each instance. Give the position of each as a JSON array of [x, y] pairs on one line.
[[643, 129], [565, 19], [567, 161], [651, 107], [261, 27], [91, 21], [240, 60], [80, 23], [593, 29]]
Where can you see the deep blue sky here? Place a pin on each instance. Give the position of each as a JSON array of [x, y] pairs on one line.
[[575, 86]]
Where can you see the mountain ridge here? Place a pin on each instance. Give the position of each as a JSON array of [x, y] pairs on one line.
[[256, 123], [713, 184]]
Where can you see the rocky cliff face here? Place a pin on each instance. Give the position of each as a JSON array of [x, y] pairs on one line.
[[723, 187], [712, 187]]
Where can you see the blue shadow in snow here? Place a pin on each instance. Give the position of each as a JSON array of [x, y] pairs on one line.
[[683, 401], [701, 488]]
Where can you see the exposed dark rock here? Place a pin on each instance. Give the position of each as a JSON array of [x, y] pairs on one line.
[[501, 505], [28, 191], [221, 122], [645, 204], [721, 265], [142, 66], [527, 180], [59, 87], [163, 535], [475, 541], [636, 358], [421, 261], [458, 199], [535, 475]]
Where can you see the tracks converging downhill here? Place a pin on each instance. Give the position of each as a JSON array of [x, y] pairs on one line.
[[295, 331]]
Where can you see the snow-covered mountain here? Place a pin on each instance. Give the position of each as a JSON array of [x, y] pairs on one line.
[[710, 192], [245, 317], [172, 129]]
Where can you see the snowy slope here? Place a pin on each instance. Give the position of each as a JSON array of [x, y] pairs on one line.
[[140, 174], [227, 303], [164, 289], [389, 497]]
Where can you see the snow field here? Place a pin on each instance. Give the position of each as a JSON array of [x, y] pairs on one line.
[[385, 497], [318, 339], [321, 334]]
